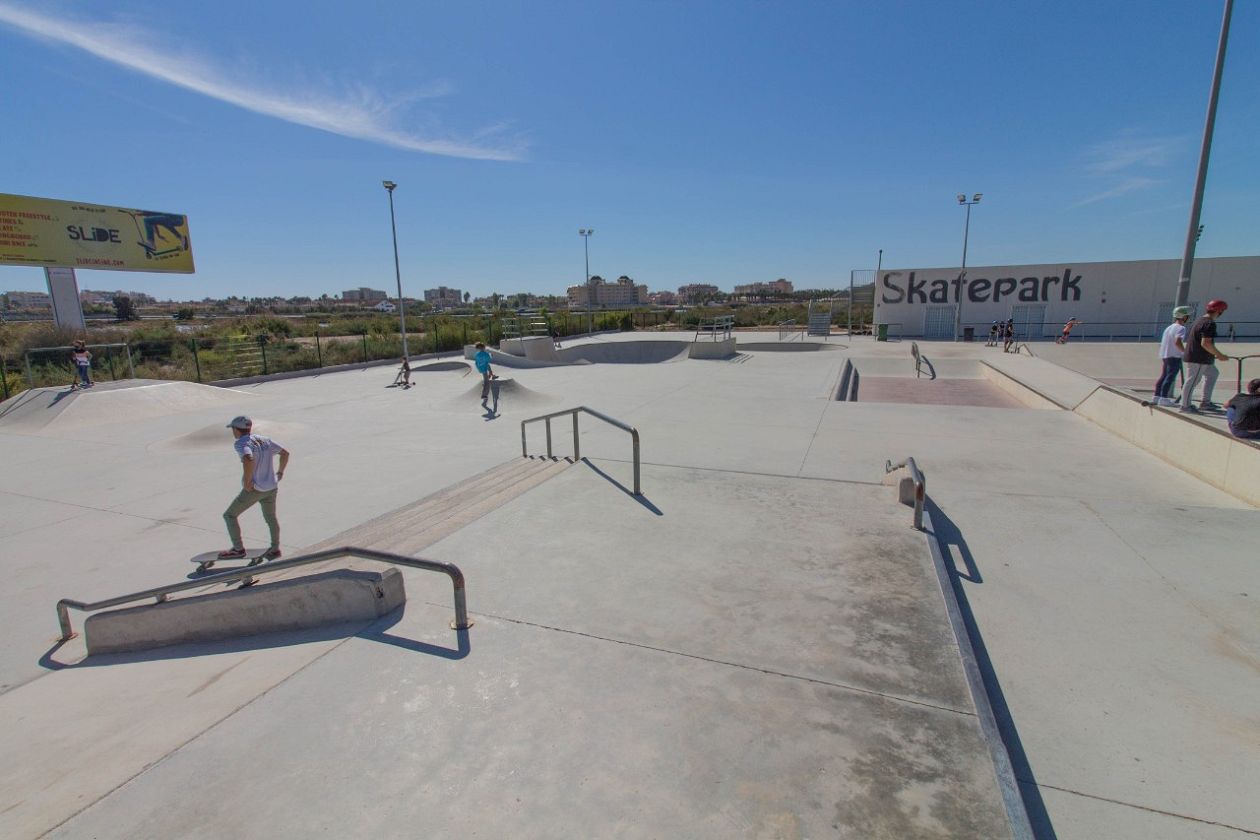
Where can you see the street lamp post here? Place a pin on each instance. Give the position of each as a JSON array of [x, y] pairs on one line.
[[1196, 205], [962, 199], [585, 233], [402, 311]]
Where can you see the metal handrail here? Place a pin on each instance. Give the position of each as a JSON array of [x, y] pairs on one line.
[[577, 451], [160, 593], [1240, 360], [788, 326], [920, 487], [918, 358], [721, 323]]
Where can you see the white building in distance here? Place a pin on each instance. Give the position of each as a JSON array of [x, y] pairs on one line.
[[599, 294], [443, 298]]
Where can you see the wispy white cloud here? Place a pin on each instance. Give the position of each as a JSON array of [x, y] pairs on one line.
[[1126, 186], [362, 113], [1113, 164]]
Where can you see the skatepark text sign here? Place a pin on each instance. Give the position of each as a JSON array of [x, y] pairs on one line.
[[46, 232]]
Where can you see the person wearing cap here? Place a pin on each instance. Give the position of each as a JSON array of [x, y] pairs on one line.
[[1171, 347], [1200, 358], [1242, 412], [259, 483]]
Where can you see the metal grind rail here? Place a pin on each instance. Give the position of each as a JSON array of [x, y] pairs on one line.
[[577, 450], [920, 487], [1240, 360], [160, 593]]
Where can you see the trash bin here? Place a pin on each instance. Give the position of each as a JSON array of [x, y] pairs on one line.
[[881, 333], [969, 333]]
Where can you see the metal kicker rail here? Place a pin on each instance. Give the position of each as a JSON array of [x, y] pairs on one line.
[[160, 593], [577, 451]]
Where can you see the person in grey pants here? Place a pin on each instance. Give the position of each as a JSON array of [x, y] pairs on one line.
[[260, 482], [1201, 356]]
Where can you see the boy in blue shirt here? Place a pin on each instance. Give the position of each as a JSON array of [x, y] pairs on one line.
[[482, 361]]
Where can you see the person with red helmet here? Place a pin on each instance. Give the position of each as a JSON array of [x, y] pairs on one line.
[[1200, 358]]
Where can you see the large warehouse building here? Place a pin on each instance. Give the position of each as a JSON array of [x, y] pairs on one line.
[[1132, 299]]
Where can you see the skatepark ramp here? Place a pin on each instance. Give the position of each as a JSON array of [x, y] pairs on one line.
[[577, 445]]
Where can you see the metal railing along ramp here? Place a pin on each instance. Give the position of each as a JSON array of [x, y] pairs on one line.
[[721, 326], [577, 447]]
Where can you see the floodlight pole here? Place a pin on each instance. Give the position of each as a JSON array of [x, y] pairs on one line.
[[1196, 206], [585, 233], [962, 199], [402, 311]]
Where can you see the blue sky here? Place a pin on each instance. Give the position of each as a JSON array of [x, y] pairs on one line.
[[721, 142]]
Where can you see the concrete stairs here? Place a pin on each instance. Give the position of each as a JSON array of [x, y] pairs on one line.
[[414, 527]]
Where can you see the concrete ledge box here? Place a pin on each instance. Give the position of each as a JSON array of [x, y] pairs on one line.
[[330, 598]]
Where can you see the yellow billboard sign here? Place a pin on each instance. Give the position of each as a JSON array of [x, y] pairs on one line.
[[46, 232]]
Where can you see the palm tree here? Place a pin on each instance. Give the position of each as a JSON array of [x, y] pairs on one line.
[[467, 296]]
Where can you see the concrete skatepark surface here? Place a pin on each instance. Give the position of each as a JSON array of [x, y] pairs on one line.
[[748, 651]]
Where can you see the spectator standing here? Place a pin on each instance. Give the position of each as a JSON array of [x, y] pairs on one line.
[[1008, 335], [1200, 358], [993, 335], [1242, 412], [82, 359], [260, 482], [1171, 348]]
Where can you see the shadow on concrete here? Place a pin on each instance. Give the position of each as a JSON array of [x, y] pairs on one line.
[[954, 548], [643, 500], [373, 631]]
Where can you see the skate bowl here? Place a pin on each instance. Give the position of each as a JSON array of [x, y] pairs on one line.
[[443, 367], [626, 352], [53, 410]]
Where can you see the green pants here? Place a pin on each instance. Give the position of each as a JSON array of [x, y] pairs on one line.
[[266, 499]]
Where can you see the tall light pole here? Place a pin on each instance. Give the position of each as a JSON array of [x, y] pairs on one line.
[[1196, 206], [402, 312], [585, 233], [962, 199]]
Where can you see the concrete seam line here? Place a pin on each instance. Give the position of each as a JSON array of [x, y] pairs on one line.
[[843, 686], [1029, 387], [1008, 784], [822, 415], [210, 728], [1146, 808]]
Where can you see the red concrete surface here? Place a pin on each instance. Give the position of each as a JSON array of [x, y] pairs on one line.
[[975, 392]]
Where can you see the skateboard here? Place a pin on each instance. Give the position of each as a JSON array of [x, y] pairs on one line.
[[207, 559]]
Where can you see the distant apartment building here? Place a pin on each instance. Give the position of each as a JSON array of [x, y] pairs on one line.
[[443, 298], [97, 297], [363, 295], [28, 300], [600, 294], [777, 288], [663, 298], [697, 292]]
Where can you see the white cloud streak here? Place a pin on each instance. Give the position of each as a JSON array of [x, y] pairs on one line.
[[365, 115], [1112, 163]]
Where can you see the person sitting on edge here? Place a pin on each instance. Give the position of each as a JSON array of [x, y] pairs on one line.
[[1171, 347], [1201, 356], [1067, 330], [482, 361], [1242, 412]]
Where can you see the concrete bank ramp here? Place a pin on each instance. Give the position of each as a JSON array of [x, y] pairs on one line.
[[443, 367], [504, 389], [217, 436], [786, 346], [58, 410]]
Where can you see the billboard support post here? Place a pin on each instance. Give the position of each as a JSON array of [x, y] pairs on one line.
[[63, 289]]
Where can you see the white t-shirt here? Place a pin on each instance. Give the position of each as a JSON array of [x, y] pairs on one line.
[[1168, 346], [262, 451]]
